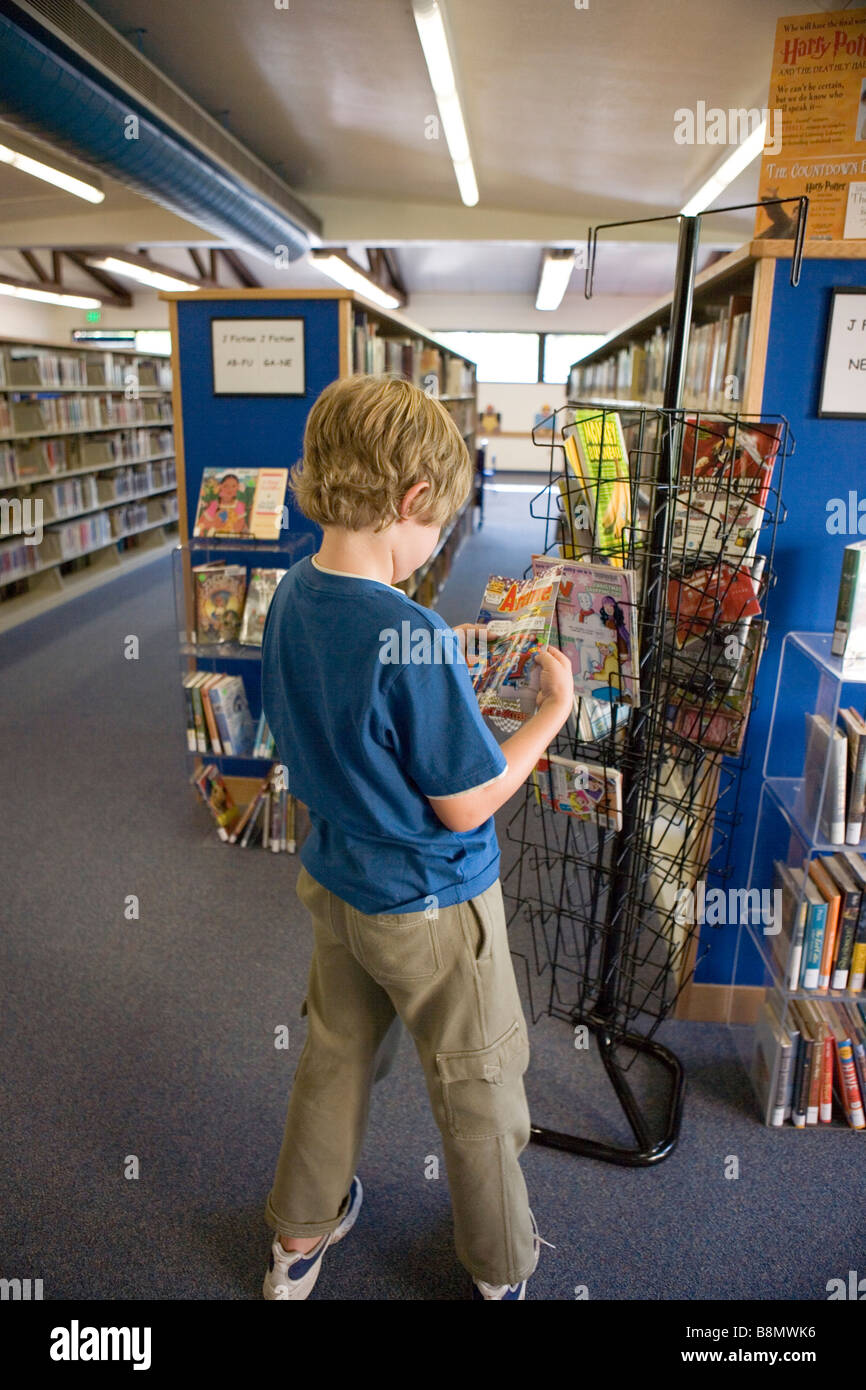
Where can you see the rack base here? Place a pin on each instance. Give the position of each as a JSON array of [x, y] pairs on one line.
[[646, 1153]]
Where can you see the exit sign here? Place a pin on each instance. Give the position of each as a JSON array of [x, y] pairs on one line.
[[93, 315]]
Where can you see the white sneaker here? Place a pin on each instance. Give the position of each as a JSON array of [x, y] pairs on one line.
[[292, 1274], [488, 1292]]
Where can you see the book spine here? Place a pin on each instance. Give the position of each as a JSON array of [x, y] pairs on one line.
[[813, 1104], [856, 793], [777, 1116], [826, 1110], [198, 707], [845, 602], [833, 809], [848, 1084], [791, 1082], [815, 924], [191, 744], [219, 714], [796, 964], [849, 917], [801, 1084]]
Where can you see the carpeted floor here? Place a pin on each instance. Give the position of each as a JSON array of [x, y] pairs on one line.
[[153, 1038]]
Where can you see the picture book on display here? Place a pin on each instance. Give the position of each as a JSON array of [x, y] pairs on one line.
[[219, 602], [263, 585], [597, 454], [242, 502], [595, 627], [519, 614], [587, 791], [849, 631]]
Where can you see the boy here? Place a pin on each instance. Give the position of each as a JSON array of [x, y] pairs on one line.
[[401, 778]]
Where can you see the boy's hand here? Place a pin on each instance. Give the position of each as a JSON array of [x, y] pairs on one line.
[[557, 682]]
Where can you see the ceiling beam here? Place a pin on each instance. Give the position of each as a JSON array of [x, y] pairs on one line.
[[197, 261], [33, 263], [246, 277], [119, 296]]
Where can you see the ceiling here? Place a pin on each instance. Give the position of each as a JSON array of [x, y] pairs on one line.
[[570, 116]]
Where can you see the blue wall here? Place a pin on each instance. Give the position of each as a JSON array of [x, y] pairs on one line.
[[828, 461]]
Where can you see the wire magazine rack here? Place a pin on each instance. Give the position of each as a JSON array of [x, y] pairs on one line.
[[612, 912]]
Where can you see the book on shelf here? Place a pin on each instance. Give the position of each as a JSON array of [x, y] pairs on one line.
[[825, 770], [821, 944], [246, 503], [212, 788], [262, 587], [854, 727], [218, 718], [595, 627], [219, 602], [587, 791], [849, 630], [716, 362], [596, 452], [519, 615]]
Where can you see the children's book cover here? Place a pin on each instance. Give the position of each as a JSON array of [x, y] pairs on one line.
[[595, 627], [519, 615], [263, 586], [242, 502], [588, 791], [219, 602]]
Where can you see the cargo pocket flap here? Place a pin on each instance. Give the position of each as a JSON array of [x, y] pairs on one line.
[[486, 1064]]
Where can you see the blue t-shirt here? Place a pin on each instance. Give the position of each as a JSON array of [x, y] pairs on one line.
[[369, 722]]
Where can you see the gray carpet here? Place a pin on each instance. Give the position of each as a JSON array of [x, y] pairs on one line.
[[154, 1038]]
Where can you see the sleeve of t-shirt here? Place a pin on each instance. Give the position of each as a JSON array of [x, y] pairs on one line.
[[437, 730]]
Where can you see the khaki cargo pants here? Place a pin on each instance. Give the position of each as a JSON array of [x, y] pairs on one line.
[[447, 974]]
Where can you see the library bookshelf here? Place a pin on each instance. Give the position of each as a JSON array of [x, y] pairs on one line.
[[343, 334], [87, 470]]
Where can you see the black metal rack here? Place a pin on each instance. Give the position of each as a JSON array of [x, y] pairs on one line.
[[604, 908]]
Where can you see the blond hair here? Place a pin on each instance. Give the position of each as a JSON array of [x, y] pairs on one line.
[[368, 439]]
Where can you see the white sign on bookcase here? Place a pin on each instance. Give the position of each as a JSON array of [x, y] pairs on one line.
[[258, 357], [843, 385]]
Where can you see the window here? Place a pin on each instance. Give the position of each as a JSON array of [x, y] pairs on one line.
[[501, 357], [561, 349]]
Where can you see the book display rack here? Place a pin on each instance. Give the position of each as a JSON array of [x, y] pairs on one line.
[[683, 500], [242, 434]]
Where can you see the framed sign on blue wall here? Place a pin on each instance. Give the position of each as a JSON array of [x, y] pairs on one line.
[[843, 381], [258, 357]]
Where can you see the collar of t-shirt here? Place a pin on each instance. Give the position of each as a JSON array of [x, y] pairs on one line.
[[347, 574]]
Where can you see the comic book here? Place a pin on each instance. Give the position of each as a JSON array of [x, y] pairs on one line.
[[242, 502], [595, 627], [519, 614], [726, 470], [219, 602], [597, 453], [710, 597], [588, 791]]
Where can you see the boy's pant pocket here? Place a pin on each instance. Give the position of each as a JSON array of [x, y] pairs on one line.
[[400, 946], [483, 1090]]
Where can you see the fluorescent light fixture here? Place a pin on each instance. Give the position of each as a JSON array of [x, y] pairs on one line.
[[66, 301], [556, 271], [154, 279], [430, 22], [736, 162], [353, 278], [87, 191]]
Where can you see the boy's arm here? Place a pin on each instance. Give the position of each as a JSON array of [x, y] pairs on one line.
[[472, 808]]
